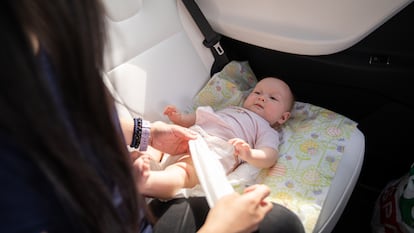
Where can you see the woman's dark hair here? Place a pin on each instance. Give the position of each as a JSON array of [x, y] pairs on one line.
[[60, 122]]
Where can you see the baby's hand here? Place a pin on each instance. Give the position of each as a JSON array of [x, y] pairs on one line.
[[173, 114], [241, 148]]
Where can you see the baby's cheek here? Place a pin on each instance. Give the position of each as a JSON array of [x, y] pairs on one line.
[[271, 118]]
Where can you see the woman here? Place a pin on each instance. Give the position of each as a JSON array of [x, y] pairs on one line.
[[64, 166]]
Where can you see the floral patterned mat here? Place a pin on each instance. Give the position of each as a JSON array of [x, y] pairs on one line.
[[313, 141]]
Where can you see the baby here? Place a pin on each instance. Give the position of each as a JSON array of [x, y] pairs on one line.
[[236, 134]]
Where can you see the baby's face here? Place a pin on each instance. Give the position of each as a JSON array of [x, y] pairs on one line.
[[271, 99]]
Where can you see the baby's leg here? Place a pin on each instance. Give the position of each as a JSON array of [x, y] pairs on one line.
[[156, 155], [166, 183]]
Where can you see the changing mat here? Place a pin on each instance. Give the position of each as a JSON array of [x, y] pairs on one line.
[[311, 145]]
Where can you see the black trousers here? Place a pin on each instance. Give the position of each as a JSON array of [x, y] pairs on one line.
[[188, 215]]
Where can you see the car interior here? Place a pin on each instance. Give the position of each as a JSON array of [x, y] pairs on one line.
[[349, 64]]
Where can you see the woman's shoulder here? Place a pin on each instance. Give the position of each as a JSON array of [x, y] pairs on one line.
[[28, 203]]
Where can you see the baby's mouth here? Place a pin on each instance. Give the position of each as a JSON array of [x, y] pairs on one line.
[[258, 106]]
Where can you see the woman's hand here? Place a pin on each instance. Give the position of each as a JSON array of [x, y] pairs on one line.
[[239, 213], [169, 138]]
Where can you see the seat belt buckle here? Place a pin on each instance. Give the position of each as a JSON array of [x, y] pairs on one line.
[[218, 48], [214, 44]]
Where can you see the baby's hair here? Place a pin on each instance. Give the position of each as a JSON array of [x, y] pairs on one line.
[[292, 104]]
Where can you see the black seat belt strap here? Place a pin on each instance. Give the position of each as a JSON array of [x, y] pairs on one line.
[[212, 38]]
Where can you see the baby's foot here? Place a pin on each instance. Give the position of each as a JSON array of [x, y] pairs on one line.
[[143, 165]]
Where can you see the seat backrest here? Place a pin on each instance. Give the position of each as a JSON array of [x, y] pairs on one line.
[[151, 61]]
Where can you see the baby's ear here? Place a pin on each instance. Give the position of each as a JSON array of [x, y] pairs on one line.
[[285, 116]]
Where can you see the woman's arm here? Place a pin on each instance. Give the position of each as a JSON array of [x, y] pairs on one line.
[[168, 138]]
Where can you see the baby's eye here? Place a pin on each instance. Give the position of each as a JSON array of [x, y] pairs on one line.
[[256, 92], [273, 98]]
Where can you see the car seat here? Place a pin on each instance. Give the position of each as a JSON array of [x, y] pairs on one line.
[[156, 57]]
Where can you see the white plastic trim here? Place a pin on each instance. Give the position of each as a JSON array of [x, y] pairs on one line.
[[316, 27], [343, 183]]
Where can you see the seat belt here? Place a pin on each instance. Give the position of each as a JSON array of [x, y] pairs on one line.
[[211, 38]]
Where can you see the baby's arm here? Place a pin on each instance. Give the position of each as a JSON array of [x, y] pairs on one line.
[[175, 116], [261, 157]]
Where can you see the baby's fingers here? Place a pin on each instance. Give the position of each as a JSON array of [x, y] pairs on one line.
[[169, 110], [235, 141]]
